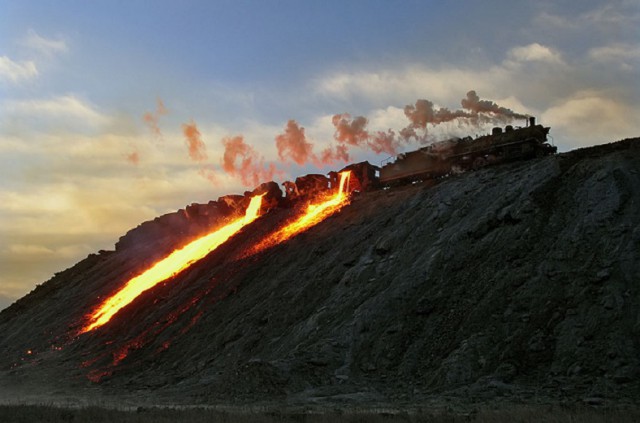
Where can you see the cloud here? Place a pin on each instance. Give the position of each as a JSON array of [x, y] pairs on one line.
[[534, 52], [15, 72], [548, 19], [625, 55], [53, 225], [81, 196], [394, 86], [70, 175], [242, 160], [18, 71], [29, 249], [617, 15], [388, 117], [591, 117], [69, 109], [42, 45]]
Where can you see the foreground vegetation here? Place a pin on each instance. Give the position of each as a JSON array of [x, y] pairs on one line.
[[523, 414]]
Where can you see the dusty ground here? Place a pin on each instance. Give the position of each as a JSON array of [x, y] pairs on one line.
[[516, 284], [522, 414]]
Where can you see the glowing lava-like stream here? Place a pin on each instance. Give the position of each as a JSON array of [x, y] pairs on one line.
[[174, 263], [315, 214]]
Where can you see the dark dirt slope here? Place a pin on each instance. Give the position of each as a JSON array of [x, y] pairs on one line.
[[520, 280]]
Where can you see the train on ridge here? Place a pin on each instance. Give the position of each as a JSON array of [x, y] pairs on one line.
[[461, 154], [436, 160]]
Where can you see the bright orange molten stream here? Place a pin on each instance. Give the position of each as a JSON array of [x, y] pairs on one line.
[[315, 214], [171, 265]]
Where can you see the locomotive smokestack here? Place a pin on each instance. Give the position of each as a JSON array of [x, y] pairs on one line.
[[532, 121]]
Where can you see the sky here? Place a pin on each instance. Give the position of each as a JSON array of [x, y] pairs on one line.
[[115, 112]]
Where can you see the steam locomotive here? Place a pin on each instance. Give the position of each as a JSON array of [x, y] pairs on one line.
[[461, 154]]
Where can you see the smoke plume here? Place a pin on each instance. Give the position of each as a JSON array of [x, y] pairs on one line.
[[197, 149], [293, 144], [488, 108], [209, 174], [384, 142], [240, 159], [350, 131], [475, 112], [423, 113], [243, 161], [151, 118], [337, 153], [353, 132]]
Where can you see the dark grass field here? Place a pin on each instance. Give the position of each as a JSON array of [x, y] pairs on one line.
[[46, 413]]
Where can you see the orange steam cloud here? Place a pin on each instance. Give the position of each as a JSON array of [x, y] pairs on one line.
[[209, 174], [353, 132], [241, 160], [293, 144], [151, 118], [133, 158], [350, 131], [338, 153], [384, 142], [197, 149]]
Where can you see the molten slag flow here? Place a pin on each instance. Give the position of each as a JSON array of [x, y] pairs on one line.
[[171, 265], [315, 214]]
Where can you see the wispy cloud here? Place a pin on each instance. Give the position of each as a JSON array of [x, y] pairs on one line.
[[69, 109], [621, 54], [45, 46], [15, 72], [614, 14], [29, 249]]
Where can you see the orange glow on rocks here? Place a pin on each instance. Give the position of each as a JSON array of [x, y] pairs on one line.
[[316, 213], [171, 265]]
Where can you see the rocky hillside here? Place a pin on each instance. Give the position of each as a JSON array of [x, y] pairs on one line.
[[519, 281]]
